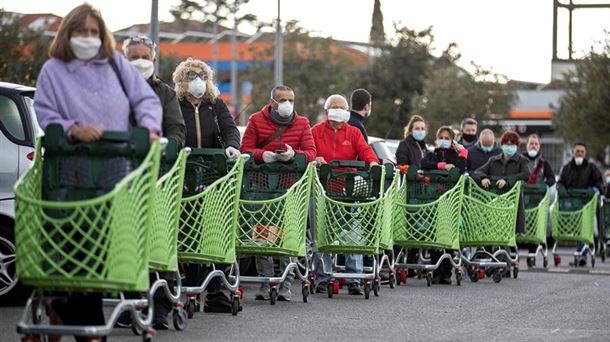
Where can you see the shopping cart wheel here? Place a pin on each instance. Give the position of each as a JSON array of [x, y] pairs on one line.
[[515, 272], [458, 278], [557, 260], [235, 306], [190, 308], [403, 277], [367, 291], [273, 295], [429, 278], [592, 261], [329, 289], [305, 292], [531, 262], [497, 276], [148, 335], [376, 288], [474, 275], [392, 280], [545, 262], [603, 256], [179, 318]]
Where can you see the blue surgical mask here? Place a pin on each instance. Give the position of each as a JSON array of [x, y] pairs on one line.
[[509, 150], [487, 148], [419, 135], [442, 143]]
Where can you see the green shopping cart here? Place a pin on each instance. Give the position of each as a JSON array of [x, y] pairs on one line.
[[488, 222], [208, 221], [536, 198], [425, 216], [83, 213], [604, 231], [573, 217], [350, 213]]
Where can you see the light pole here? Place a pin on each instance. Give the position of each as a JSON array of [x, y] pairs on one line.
[[234, 99], [279, 77], [154, 30]]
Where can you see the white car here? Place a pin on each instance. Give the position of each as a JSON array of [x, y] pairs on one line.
[[383, 152]]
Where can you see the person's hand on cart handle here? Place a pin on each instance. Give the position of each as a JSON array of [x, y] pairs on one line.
[[320, 161], [500, 183], [485, 182], [449, 166], [373, 163], [85, 133], [232, 153], [152, 136], [288, 155], [269, 157]]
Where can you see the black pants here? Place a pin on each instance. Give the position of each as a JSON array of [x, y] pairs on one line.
[[195, 274], [444, 269], [80, 309]]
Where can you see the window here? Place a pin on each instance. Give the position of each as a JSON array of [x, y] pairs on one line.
[[10, 119]]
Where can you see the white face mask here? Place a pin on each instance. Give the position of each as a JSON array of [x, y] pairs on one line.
[[144, 66], [338, 114], [532, 153], [285, 108], [197, 87], [578, 160], [85, 48]]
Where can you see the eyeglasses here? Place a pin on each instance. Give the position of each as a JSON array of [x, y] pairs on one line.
[[193, 75], [142, 40]]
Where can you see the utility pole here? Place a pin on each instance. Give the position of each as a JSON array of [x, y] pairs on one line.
[[215, 42], [234, 99], [279, 63], [154, 30]]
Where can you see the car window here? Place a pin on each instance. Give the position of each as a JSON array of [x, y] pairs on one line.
[[29, 100], [10, 119]]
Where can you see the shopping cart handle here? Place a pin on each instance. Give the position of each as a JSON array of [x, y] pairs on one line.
[[356, 164]]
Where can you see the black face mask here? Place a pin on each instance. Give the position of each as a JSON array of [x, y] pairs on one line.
[[469, 137]]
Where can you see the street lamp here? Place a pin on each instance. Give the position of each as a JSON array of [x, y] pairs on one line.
[[279, 77]]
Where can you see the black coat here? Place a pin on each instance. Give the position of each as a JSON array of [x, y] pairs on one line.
[[357, 121], [210, 132], [580, 176], [411, 152], [449, 156], [477, 157], [497, 166], [173, 122]]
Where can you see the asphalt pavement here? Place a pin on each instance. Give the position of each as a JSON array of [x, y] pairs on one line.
[[564, 304]]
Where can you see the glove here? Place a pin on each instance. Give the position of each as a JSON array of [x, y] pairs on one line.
[[288, 155], [232, 153], [596, 190], [269, 157]]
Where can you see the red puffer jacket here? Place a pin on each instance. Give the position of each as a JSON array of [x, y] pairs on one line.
[[346, 143], [260, 127]]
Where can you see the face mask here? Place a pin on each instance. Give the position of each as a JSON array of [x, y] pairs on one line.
[[487, 148], [442, 143], [469, 137], [144, 66], [368, 114], [338, 114], [197, 87], [419, 135], [285, 108], [509, 150], [532, 153], [85, 48], [578, 160]]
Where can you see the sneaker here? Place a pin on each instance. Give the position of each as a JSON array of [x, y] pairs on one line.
[[161, 312], [321, 287], [124, 320], [582, 263], [217, 302], [263, 292], [354, 290], [160, 323], [284, 294]]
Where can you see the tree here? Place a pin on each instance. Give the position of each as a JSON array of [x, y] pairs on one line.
[[377, 35], [584, 109], [450, 94], [22, 51]]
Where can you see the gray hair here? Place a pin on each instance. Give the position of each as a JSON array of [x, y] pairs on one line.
[[279, 88], [487, 131], [334, 97], [139, 39]]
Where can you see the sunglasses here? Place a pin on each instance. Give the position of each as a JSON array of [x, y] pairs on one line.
[[142, 40], [191, 75]]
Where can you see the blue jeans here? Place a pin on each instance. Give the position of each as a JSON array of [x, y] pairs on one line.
[[579, 247]]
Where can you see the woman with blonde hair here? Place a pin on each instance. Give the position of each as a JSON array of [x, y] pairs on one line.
[[412, 149], [207, 118]]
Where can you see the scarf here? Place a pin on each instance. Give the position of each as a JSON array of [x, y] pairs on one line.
[[280, 120]]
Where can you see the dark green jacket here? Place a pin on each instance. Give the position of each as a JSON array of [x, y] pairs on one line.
[[173, 122]]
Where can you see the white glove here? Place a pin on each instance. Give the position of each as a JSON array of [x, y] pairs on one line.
[[232, 153], [269, 157], [288, 155]]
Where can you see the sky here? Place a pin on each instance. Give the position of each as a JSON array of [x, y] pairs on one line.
[[513, 38]]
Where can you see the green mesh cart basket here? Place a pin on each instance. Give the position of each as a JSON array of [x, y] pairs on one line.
[[573, 220], [537, 201], [488, 221], [386, 241], [426, 215], [83, 214], [350, 213], [604, 228], [164, 235]]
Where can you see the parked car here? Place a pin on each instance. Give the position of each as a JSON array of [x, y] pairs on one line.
[[18, 131], [382, 150]]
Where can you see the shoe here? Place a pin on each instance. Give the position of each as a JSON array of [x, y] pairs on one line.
[[354, 290], [582, 263], [445, 281], [284, 294], [217, 303], [321, 287], [160, 323], [124, 320], [263, 292]]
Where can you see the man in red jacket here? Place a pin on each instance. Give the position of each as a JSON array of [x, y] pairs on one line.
[[276, 133], [336, 140]]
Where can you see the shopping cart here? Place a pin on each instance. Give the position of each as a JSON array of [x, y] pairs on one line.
[[604, 230], [208, 220], [350, 214], [272, 220], [488, 224], [82, 222], [573, 217], [425, 217], [537, 200], [386, 243]]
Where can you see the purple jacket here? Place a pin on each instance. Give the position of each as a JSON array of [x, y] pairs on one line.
[[90, 93]]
